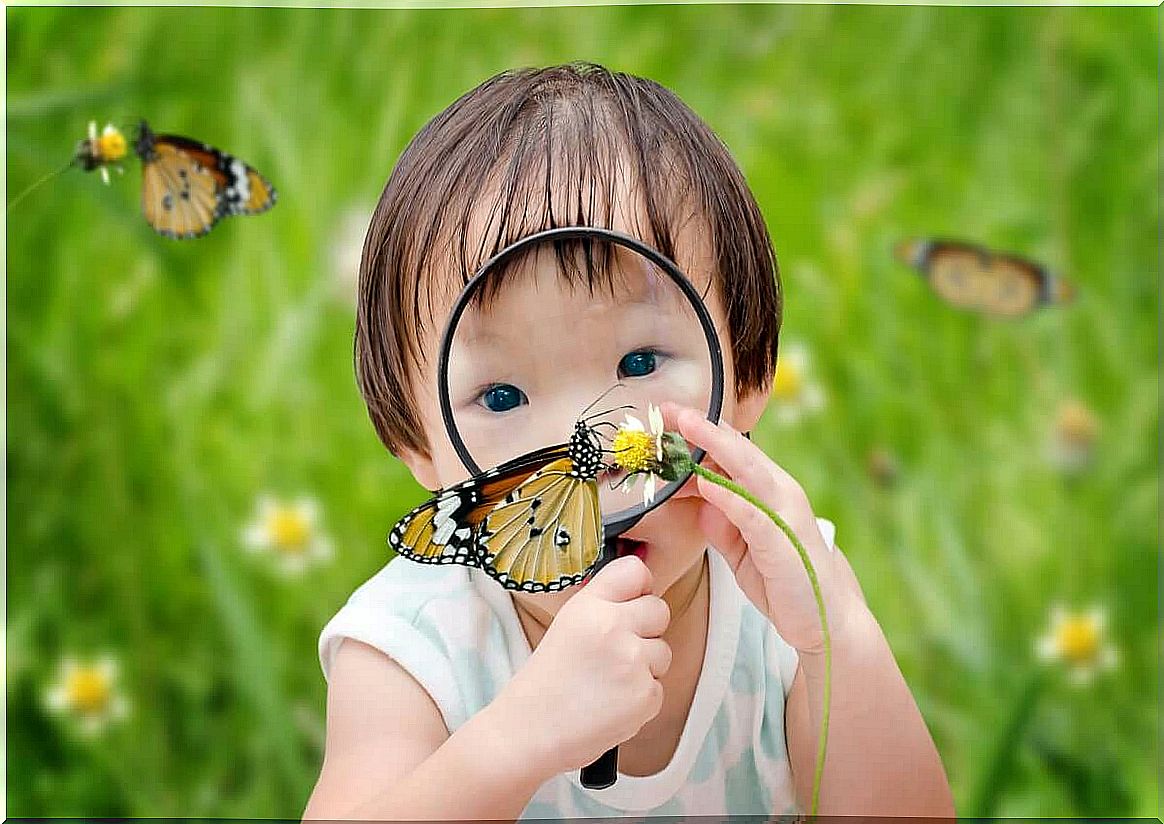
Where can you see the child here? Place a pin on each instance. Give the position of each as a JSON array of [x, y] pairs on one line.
[[705, 666]]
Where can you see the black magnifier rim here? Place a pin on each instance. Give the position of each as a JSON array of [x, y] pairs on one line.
[[624, 519]]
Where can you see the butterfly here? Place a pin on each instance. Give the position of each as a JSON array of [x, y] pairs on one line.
[[533, 524], [972, 277], [187, 186]]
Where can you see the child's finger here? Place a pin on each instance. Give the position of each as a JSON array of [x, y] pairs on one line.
[[722, 534], [647, 616], [765, 543], [623, 579], [742, 459], [658, 654], [689, 489]]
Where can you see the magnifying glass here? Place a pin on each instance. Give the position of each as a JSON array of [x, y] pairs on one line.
[[556, 343]]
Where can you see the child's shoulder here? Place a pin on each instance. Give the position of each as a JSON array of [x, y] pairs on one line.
[[406, 589], [411, 605], [437, 622]]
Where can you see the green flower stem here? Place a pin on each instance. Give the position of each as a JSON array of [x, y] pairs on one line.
[[720, 480], [994, 779]]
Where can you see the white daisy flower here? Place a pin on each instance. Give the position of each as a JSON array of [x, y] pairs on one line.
[[87, 693], [793, 389], [632, 446], [109, 147], [1079, 641], [289, 531]]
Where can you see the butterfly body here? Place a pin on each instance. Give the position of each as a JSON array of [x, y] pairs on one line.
[[970, 276], [532, 524]]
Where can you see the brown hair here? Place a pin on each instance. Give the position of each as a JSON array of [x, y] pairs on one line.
[[549, 145]]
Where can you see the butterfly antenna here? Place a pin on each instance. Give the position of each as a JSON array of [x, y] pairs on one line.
[[611, 424], [38, 183], [594, 403], [608, 411]]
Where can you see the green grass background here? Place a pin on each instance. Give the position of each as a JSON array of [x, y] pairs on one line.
[[155, 388]]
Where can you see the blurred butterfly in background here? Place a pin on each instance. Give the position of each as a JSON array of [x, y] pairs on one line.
[[532, 524], [187, 186], [970, 276]]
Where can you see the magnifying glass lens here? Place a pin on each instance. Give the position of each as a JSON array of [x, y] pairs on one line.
[[578, 339]]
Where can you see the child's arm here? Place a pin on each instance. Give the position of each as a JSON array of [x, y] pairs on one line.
[[880, 758], [389, 755], [591, 683]]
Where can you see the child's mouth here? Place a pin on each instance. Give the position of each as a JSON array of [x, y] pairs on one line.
[[624, 546], [629, 546]]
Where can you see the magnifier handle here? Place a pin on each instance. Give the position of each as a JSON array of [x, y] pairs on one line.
[[603, 772]]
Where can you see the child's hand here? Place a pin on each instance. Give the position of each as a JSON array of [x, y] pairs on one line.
[[592, 682], [766, 564]]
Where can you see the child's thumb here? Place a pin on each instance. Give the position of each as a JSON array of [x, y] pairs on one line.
[[623, 579]]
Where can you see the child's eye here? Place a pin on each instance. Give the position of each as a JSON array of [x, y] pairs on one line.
[[636, 364], [501, 397]]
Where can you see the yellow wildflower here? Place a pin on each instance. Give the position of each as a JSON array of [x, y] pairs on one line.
[[290, 531], [87, 693], [1079, 641]]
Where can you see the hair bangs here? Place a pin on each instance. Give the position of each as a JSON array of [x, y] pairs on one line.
[[536, 149]]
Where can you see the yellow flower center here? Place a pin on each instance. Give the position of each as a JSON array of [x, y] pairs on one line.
[[288, 529], [634, 450], [87, 689], [788, 382], [111, 145], [1078, 639]]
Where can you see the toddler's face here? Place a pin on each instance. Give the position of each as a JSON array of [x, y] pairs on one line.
[[527, 364]]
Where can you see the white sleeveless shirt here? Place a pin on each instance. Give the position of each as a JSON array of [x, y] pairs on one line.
[[456, 632]]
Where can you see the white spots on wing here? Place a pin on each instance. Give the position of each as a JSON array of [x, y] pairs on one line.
[[443, 532], [242, 183]]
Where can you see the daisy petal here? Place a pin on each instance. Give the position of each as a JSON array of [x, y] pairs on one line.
[[655, 416], [1046, 649], [256, 537], [649, 490], [308, 510]]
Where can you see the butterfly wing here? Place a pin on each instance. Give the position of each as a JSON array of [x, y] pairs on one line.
[[1017, 288], [443, 529], [437, 531], [187, 185], [972, 277], [546, 534], [955, 273], [242, 190], [179, 195]]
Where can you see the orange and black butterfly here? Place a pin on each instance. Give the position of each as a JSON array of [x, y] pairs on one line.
[[532, 524], [972, 277], [187, 186]]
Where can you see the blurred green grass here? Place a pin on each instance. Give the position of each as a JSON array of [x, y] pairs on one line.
[[156, 388]]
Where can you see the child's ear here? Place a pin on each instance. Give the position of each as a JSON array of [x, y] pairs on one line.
[[422, 467], [749, 407]]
